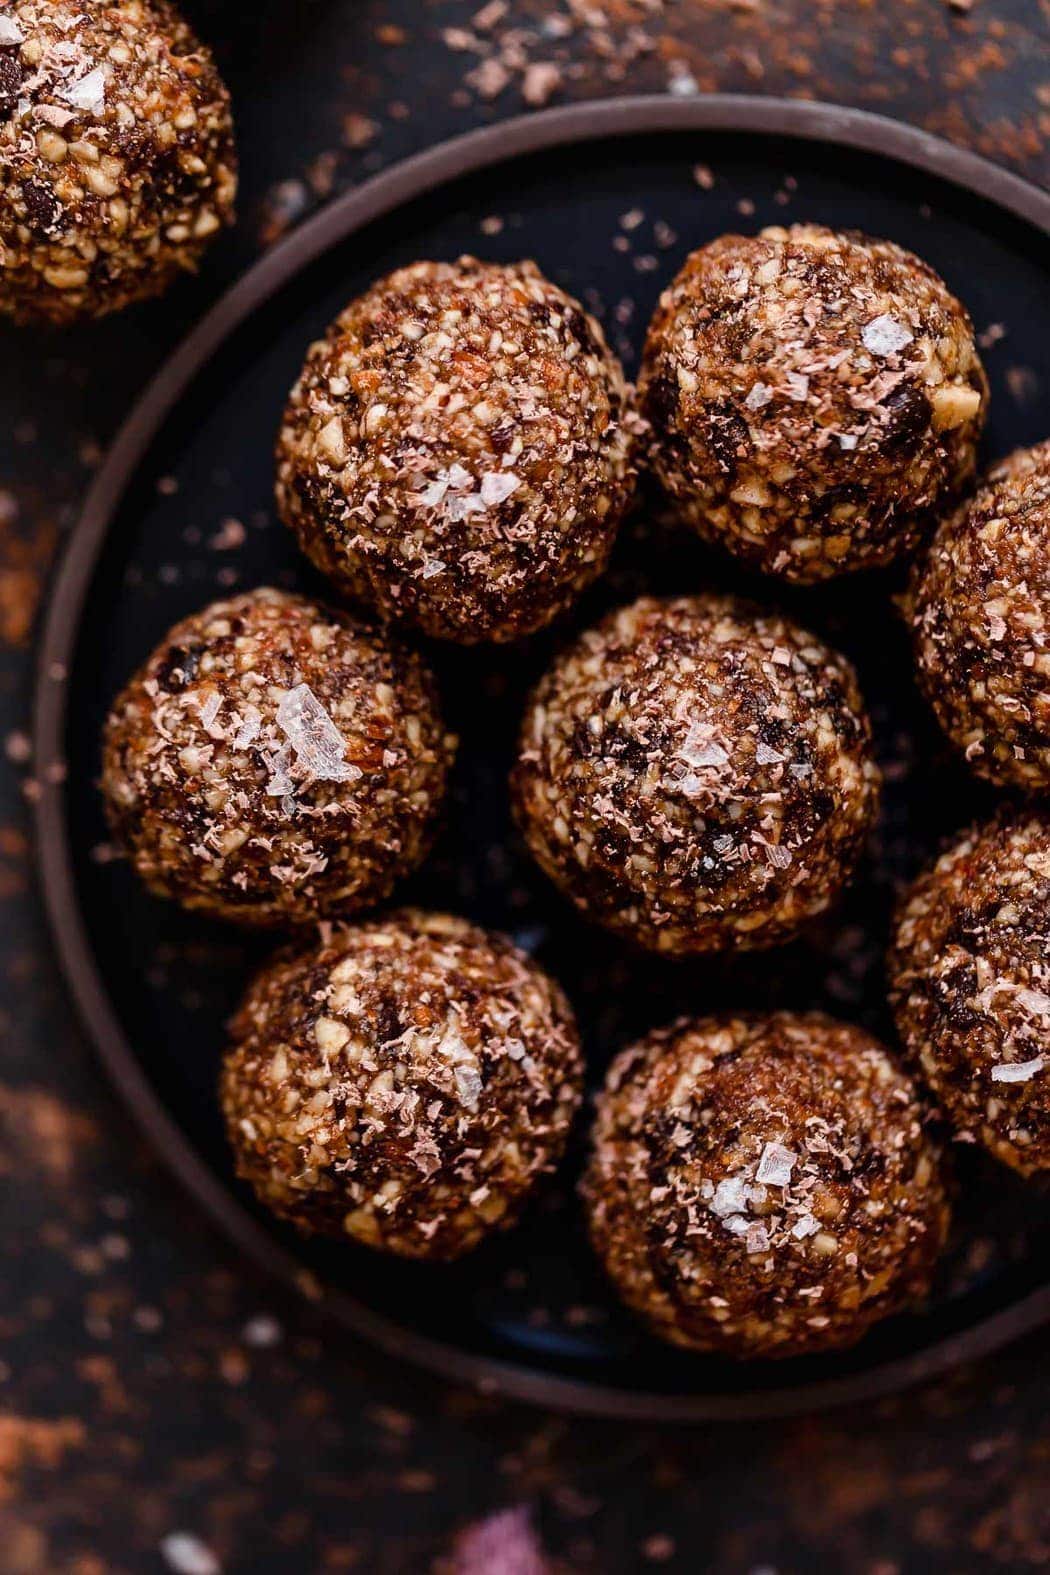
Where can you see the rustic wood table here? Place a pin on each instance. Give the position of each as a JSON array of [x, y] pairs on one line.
[[162, 1406]]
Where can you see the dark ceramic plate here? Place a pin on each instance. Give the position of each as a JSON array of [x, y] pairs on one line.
[[607, 199]]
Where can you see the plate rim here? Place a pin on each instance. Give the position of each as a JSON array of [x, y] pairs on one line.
[[404, 182]]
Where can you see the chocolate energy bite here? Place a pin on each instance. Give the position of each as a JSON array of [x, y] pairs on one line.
[[117, 162], [457, 451], [697, 775], [406, 1084], [815, 398], [764, 1186], [274, 761], [970, 986], [981, 618]]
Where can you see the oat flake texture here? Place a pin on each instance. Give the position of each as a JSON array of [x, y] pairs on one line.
[[970, 986], [981, 618], [117, 161], [815, 399], [712, 1250], [697, 775], [457, 453], [405, 1084], [274, 761]]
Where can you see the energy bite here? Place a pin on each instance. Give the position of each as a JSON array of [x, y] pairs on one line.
[[406, 1084], [697, 775], [815, 398], [457, 452], [274, 761], [117, 160], [981, 620], [970, 986], [764, 1186]]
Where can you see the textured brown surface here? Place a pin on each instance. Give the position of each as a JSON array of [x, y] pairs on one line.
[[697, 774], [406, 1083], [274, 761], [457, 451], [815, 399], [982, 624], [151, 1383], [117, 161], [970, 974], [764, 1186]]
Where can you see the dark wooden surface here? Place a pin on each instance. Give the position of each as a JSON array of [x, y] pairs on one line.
[[161, 1405]]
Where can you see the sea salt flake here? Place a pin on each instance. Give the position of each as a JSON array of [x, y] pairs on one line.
[[459, 478], [463, 505], [797, 386], [468, 1085], [248, 731], [847, 440], [318, 744], [10, 32], [805, 1226], [88, 92], [433, 494], [433, 566], [776, 1165], [886, 336], [186, 1554], [498, 486], [757, 1238], [1034, 1001], [699, 750], [759, 397], [764, 756], [1017, 1071], [210, 710], [280, 782], [730, 1197]]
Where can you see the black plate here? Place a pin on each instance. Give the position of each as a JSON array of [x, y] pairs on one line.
[[530, 1315]]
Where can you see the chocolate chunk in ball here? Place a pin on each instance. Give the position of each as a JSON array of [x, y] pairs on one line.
[[457, 451], [274, 761], [764, 1186], [697, 775], [406, 1084], [970, 986], [981, 616], [117, 162], [815, 398]]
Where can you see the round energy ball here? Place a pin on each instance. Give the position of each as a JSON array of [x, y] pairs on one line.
[[405, 1084], [970, 986], [815, 398], [274, 761], [981, 618], [457, 451], [117, 161], [764, 1186], [697, 775]]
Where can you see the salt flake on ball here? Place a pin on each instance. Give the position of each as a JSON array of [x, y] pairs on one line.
[[886, 336], [318, 744]]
